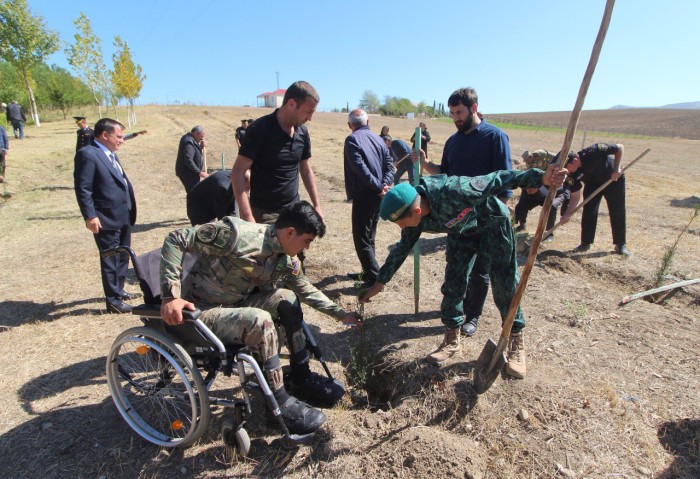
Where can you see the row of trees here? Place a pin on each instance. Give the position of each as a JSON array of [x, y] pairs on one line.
[[395, 106], [26, 42]]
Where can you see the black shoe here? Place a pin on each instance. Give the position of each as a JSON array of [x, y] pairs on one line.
[[583, 247], [354, 276], [469, 327], [118, 306], [548, 239], [520, 228], [316, 388], [299, 417], [125, 296], [622, 249]]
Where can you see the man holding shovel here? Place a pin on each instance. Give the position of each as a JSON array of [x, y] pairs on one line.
[[594, 166], [476, 223]]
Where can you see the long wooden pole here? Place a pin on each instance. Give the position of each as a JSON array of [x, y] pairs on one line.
[[568, 138], [596, 192], [416, 247], [661, 289]]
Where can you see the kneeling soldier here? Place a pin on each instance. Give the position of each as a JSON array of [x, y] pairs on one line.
[[238, 265], [461, 207]]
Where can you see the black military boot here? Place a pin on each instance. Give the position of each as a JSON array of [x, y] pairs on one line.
[[300, 418], [315, 387]]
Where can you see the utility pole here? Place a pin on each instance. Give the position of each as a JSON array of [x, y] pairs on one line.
[[278, 79]]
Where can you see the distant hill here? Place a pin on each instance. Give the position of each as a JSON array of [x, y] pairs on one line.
[[689, 105]]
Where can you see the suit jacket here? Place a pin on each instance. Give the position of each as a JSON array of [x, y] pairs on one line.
[[101, 190], [189, 160]]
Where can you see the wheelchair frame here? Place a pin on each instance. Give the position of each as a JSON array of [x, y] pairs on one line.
[[154, 378]]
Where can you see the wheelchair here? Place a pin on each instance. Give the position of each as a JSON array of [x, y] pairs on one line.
[[160, 375]]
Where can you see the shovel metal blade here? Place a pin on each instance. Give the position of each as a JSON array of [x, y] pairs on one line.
[[484, 376]]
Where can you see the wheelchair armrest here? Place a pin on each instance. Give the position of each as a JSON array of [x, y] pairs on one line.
[[153, 311], [191, 315]]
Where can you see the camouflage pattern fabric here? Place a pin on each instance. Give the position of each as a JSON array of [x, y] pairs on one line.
[[475, 222], [541, 159], [234, 278]]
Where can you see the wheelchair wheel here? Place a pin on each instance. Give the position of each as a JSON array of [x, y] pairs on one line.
[[235, 437], [156, 388]]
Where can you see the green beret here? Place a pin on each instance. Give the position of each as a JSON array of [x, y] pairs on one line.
[[396, 200]]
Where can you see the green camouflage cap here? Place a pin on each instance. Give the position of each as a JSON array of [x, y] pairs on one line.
[[396, 200]]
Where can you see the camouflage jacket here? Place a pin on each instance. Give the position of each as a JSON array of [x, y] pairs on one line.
[[460, 205], [541, 159], [233, 257]]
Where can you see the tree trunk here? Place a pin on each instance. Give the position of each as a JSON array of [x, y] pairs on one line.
[[32, 102]]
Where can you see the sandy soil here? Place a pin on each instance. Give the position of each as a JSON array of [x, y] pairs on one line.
[[611, 390]]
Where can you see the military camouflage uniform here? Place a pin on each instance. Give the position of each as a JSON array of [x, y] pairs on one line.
[[541, 159], [475, 222], [233, 280]]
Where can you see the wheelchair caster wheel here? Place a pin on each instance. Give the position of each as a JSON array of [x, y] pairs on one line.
[[236, 437]]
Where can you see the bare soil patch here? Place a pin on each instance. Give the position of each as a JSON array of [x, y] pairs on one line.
[[611, 391]]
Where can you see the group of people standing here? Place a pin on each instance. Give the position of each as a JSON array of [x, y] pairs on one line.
[[248, 274], [14, 113]]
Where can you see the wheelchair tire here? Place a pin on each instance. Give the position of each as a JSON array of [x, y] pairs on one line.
[[156, 388], [235, 437]]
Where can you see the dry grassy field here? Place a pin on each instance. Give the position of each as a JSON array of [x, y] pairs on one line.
[[612, 391]]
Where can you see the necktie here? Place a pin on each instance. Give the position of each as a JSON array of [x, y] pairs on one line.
[[118, 167]]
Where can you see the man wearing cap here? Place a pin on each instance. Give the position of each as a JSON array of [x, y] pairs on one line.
[[84, 132], [533, 197], [476, 223], [240, 132], [477, 148], [401, 156], [369, 173], [593, 166]]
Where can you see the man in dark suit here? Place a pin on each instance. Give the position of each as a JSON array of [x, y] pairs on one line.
[[107, 203], [211, 199], [189, 165]]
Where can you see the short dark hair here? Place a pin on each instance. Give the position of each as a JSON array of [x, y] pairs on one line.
[[463, 96], [570, 156], [106, 124], [303, 218], [300, 91]]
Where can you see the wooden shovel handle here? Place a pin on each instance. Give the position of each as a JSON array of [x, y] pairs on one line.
[[571, 130]]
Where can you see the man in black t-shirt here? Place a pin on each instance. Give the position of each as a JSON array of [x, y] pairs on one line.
[[277, 149], [240, 132], [593, 166]]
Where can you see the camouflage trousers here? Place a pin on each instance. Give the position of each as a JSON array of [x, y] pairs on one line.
[[252, 322], [496, 249]]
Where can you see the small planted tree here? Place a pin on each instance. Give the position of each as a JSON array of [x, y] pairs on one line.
[[127, 77], [85, 56]]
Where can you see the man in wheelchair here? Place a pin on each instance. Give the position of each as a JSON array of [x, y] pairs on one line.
[[234, 281]]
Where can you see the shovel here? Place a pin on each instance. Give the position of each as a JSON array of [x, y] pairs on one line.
[[492, 359]]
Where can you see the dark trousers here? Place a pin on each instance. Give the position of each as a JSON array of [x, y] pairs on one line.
[[18, 128], [405, 166], [189, 181], [113, 268], [614, 195], [365, 215], [477, 289], [529, 202], [2, 162]]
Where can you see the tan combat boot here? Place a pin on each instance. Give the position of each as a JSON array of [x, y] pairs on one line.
[[449, 347], [516, 356]]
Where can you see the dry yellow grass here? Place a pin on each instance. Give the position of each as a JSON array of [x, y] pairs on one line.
[[610, 391]]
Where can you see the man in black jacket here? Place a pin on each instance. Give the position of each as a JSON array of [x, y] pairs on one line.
[[189, 166]]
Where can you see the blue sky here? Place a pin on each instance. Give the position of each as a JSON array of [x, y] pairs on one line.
[[521, 56]]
